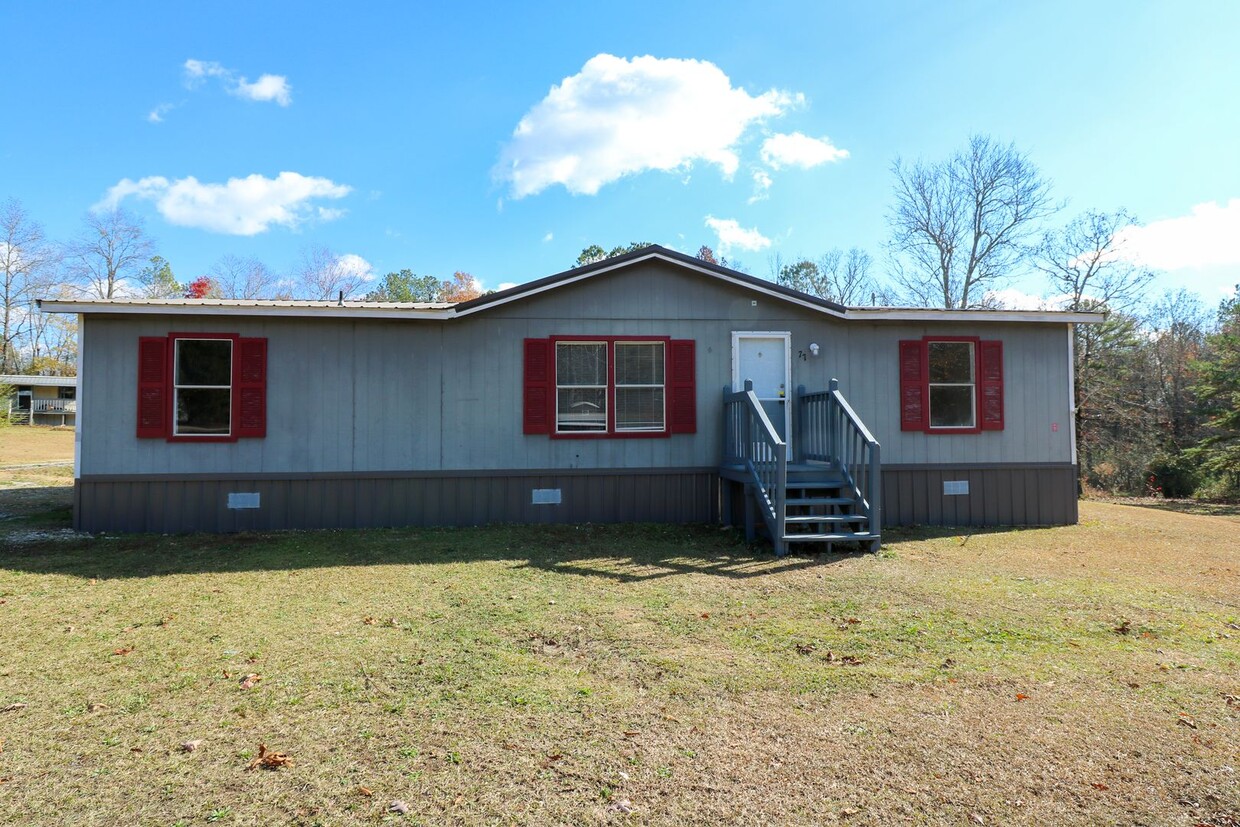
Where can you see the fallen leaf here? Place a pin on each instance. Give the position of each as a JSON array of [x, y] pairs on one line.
[[191, 746], [1020, 696], [1123, 628], [366, 791], [369, 621], [1134, 685], [622, 806], [705, 615], [249, 680], [398, 806], [269, 760], [123, 651], [96, 707], [1099, 786], [977, 819], [135, 749], [1185, 720], [628, 733], [806, 649], [13, 707], [849, 811]]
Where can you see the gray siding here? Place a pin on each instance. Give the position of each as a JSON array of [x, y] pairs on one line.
[[378, 396]]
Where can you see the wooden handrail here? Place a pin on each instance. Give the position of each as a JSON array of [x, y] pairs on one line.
[[829, 430], [751, 441]]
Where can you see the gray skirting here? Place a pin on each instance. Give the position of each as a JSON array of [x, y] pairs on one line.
[[997, 495], [169, 504]]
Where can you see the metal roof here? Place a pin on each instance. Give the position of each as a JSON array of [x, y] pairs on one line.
[[450, 310], [42, 381]]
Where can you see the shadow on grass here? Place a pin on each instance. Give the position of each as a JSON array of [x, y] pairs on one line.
[[42, 544], [1211, 509]]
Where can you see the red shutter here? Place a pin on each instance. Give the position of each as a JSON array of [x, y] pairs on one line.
[[251, 387], [992, 385], [682, 387], [539, 385], [152, 387], [914, 409]]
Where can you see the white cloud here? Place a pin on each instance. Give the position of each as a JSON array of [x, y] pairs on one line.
[[156, 115], [241, 206], [1209, 236], [548, 237], [267, 88], [798, 150], [732, 234], [620, 117], [761, 186], [354, 265]]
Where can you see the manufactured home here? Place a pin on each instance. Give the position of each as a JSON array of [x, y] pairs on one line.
[[647, 387], [40, 400]]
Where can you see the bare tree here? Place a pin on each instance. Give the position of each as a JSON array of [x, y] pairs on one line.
[[1084, 262], [959, 227], [838, 276], [243, 278], [26, 272], [112, 247], [322, 275]]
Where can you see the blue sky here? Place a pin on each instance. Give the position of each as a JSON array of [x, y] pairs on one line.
[[718, 123]]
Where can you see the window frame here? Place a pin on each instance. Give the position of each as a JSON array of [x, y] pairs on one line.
[[976, 344], [972, 385], [611, 431], [234, 399]]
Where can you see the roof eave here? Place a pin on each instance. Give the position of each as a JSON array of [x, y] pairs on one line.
[[914, 314], [332, 312]]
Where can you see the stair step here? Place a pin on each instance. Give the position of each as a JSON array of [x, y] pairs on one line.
[[824, 518], [836, 537], [819, 500], [816, 484]]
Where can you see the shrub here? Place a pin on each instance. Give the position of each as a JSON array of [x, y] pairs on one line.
[[1173, 475]]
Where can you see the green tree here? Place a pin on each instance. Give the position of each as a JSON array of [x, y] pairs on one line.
[[1218, 388], [595, 253], [158, 280], [405, 286]]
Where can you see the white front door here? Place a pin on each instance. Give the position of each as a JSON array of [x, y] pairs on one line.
[[765, 358]]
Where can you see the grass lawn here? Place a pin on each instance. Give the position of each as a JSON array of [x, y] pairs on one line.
[[623, 675], [23, 444]]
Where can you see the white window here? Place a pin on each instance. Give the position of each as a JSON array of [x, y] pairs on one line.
[[639, 386], [953, 388], [202, 387], [580, 387]]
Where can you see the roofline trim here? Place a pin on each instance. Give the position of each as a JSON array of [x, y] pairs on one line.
[[653, 252], [331, 312], [931, 315]]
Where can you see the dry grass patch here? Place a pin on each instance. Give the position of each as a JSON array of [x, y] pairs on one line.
[[652, 675], [23, 444]]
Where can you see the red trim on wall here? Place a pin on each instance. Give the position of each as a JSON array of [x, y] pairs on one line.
[[153, 387], [988, 396], [248, 382], [675, 383]]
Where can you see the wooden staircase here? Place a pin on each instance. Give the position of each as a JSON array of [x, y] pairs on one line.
[[830, 495]]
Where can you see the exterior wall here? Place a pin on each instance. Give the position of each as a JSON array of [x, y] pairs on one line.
[[999, 495], [409, 397], [181, 503], [360, 396]]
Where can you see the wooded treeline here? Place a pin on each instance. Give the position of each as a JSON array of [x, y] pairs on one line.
[[1157, 384]]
